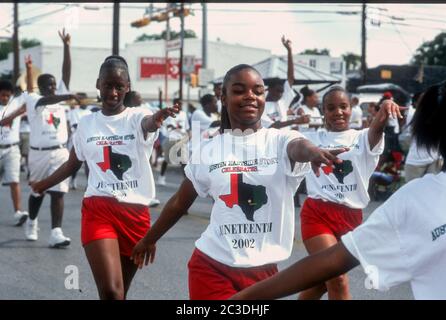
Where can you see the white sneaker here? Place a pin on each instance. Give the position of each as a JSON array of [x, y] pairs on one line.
[[31, 230], [161, 180], [20, 218], [154, 203], [57, 239]]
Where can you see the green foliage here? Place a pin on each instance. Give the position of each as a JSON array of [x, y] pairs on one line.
[[352, 61], [432, 53], [6, 46], [319, 52], [162, 36]]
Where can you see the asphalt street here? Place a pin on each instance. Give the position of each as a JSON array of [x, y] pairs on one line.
[[31, 270]]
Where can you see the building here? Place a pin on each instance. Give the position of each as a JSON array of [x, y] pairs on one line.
[[145, 60], [331, 65]]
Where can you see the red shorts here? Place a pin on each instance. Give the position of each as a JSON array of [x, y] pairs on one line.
[[212, 280], [323, 217], [107, 218]]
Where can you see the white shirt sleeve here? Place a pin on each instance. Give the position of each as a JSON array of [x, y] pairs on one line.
[[194, 173], [138, 116], [202, 118], [300, 168], [378, 247], [77, 143]]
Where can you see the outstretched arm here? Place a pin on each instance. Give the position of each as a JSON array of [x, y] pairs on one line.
[[388, 109], [56, 99], [290, 70], [302, 275], [66, 65], [8, 120], [302, 150], [174, 209], [64, 171], [154, 122]]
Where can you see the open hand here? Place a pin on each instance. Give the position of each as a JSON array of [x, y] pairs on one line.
[[389, 109], [28, 61], [160, 116], [322, 156], [66, 38], [286, 43]]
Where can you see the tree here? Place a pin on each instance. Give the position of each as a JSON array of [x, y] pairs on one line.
[[352, 60], [432, 52], [162, 36], [319, 52], [6, 46]]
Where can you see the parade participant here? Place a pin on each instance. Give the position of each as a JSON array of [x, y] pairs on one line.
[[116, 143], [399, 242], [217, 94], [336, 197], [176, 131], [251, 173], [48, 144], [419, 161], [309, 107], [9, 147], [356, 118], [279, 97]]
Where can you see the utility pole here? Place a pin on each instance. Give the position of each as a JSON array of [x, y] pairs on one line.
[[15, 44], [166, 77], [204, 46], [115, 49], [181, 50], [363, 45]]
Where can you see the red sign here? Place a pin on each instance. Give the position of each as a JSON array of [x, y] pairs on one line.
[[155, 68]]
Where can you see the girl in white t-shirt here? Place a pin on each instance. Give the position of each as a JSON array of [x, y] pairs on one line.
[[116, 143], [310, 101], [251, 173], [404, 240], [337, 196]]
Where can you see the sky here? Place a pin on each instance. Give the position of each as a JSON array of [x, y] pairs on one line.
[[394, 31]]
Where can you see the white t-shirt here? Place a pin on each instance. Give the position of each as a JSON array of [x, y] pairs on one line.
[[48, 124], [180, 124], [203, 119], [356, 118], [419, 156], [75, 115], [348, 182], [315, 118], [405, 239], [277, 110], [252, 184], [117, 155], [11, 134], [219, 106]]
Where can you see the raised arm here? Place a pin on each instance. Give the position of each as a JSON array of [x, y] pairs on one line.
[[66, 65], [29, 75], [302, 275], [174, 209], [290, 71], [56, 99], [302, 150], [376, 130], [64, 171]]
